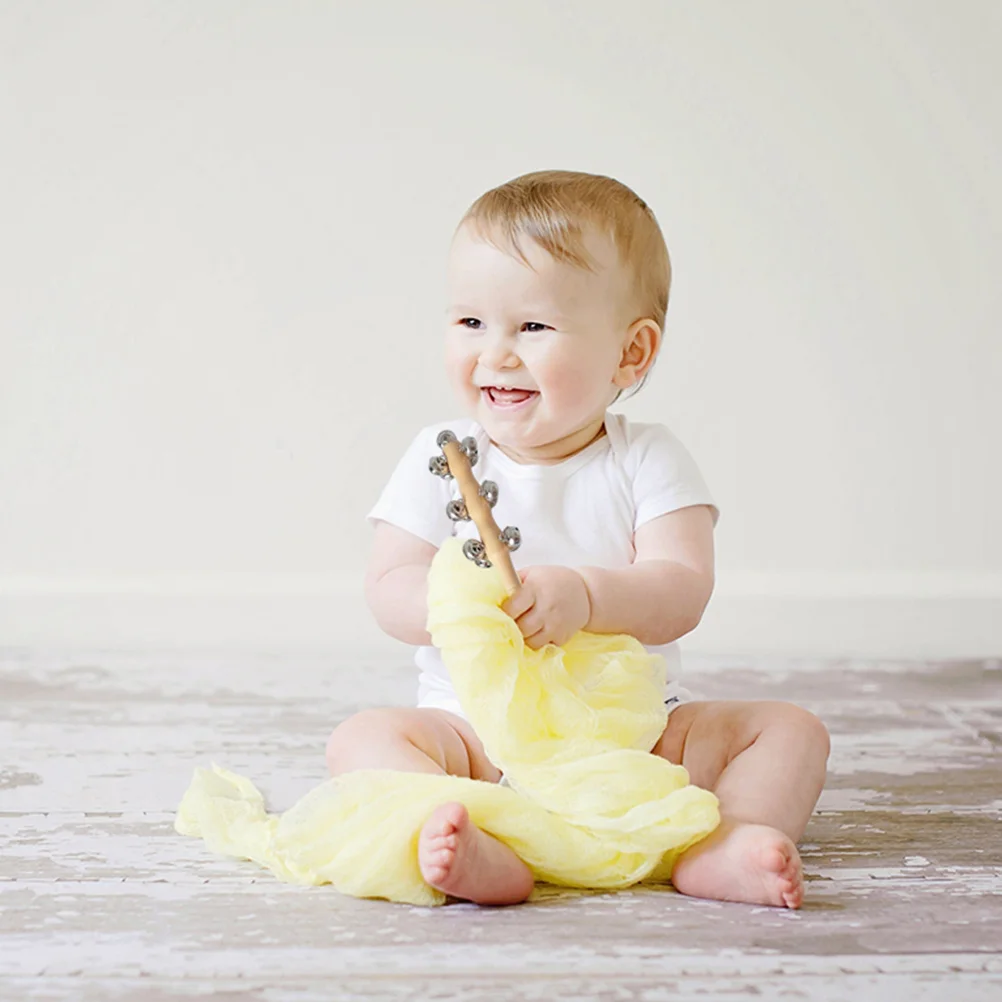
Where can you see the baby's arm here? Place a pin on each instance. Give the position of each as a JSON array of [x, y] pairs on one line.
[[662, 594], [396, 583]]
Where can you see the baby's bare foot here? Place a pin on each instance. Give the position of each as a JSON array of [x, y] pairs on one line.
[[458, 858], [743, 862]]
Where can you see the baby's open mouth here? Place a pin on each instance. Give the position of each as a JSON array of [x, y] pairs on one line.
[[499, 396]]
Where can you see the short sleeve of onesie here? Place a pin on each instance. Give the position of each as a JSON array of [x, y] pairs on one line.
[[664, 475], [414, 499]]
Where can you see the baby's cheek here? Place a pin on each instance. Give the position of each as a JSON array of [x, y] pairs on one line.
[[459, 369], [573, 381]]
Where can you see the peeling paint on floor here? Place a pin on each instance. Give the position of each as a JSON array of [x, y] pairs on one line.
[[100, 899]]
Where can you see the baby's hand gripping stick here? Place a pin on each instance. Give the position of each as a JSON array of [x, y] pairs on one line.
[[494, 546]]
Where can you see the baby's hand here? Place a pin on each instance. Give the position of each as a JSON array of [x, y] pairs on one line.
[[551, 606]]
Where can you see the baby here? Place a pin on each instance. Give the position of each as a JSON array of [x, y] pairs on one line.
[[558, 286]]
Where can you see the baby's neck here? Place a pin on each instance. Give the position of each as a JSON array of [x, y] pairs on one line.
[[559, 450]]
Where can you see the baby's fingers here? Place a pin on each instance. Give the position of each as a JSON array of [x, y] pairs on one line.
[[519, 603], [533, 628]]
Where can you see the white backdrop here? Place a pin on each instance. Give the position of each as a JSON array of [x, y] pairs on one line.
[[222, 230]]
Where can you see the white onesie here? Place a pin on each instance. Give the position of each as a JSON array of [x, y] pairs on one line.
[[581, 512]]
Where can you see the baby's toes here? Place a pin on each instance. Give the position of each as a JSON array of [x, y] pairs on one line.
[[794, 897], [437, 863], [775, 859], [792, 884], [793, 870], [452, 817], [794, 900], [434, 842]]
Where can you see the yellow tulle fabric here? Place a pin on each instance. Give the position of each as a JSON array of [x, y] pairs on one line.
[[585, 805]]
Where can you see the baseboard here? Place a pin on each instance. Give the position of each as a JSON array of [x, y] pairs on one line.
[[887, 616]]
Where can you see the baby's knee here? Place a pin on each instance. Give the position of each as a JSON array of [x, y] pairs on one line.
[[808, 728], [350, 741]]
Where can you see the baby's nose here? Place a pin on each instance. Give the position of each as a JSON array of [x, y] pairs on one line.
[[498, 353]]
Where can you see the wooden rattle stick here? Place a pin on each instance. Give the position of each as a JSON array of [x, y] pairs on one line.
[[483, 518]]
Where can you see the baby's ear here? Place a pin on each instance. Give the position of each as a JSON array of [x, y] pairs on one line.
[[642, 342]]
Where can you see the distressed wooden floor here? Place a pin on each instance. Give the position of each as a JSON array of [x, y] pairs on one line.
[[100, 899]]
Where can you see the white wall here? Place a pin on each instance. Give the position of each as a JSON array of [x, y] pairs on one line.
[[221, 238]]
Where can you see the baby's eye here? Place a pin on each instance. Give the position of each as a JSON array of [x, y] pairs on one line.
[[472, 323], [535, 328]]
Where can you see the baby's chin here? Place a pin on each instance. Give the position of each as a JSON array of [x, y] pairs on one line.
[[510, 430], [525, 442]]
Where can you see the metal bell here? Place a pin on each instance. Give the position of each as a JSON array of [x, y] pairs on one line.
[[469, 446], [444, 437], [511, 537], [456, 510], [489, 492], [439, 465], [474, 549]]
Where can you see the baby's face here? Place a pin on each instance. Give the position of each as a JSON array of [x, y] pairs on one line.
[[533, 352]]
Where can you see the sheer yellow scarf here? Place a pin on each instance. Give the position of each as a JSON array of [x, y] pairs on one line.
[[585, 805]]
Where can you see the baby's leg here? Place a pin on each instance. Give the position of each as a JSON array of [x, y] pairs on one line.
[[766, 763], [454, 855]]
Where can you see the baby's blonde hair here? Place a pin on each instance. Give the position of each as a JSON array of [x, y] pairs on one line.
[[555, 208]]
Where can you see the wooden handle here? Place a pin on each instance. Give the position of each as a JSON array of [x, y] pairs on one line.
[[480, 511]]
